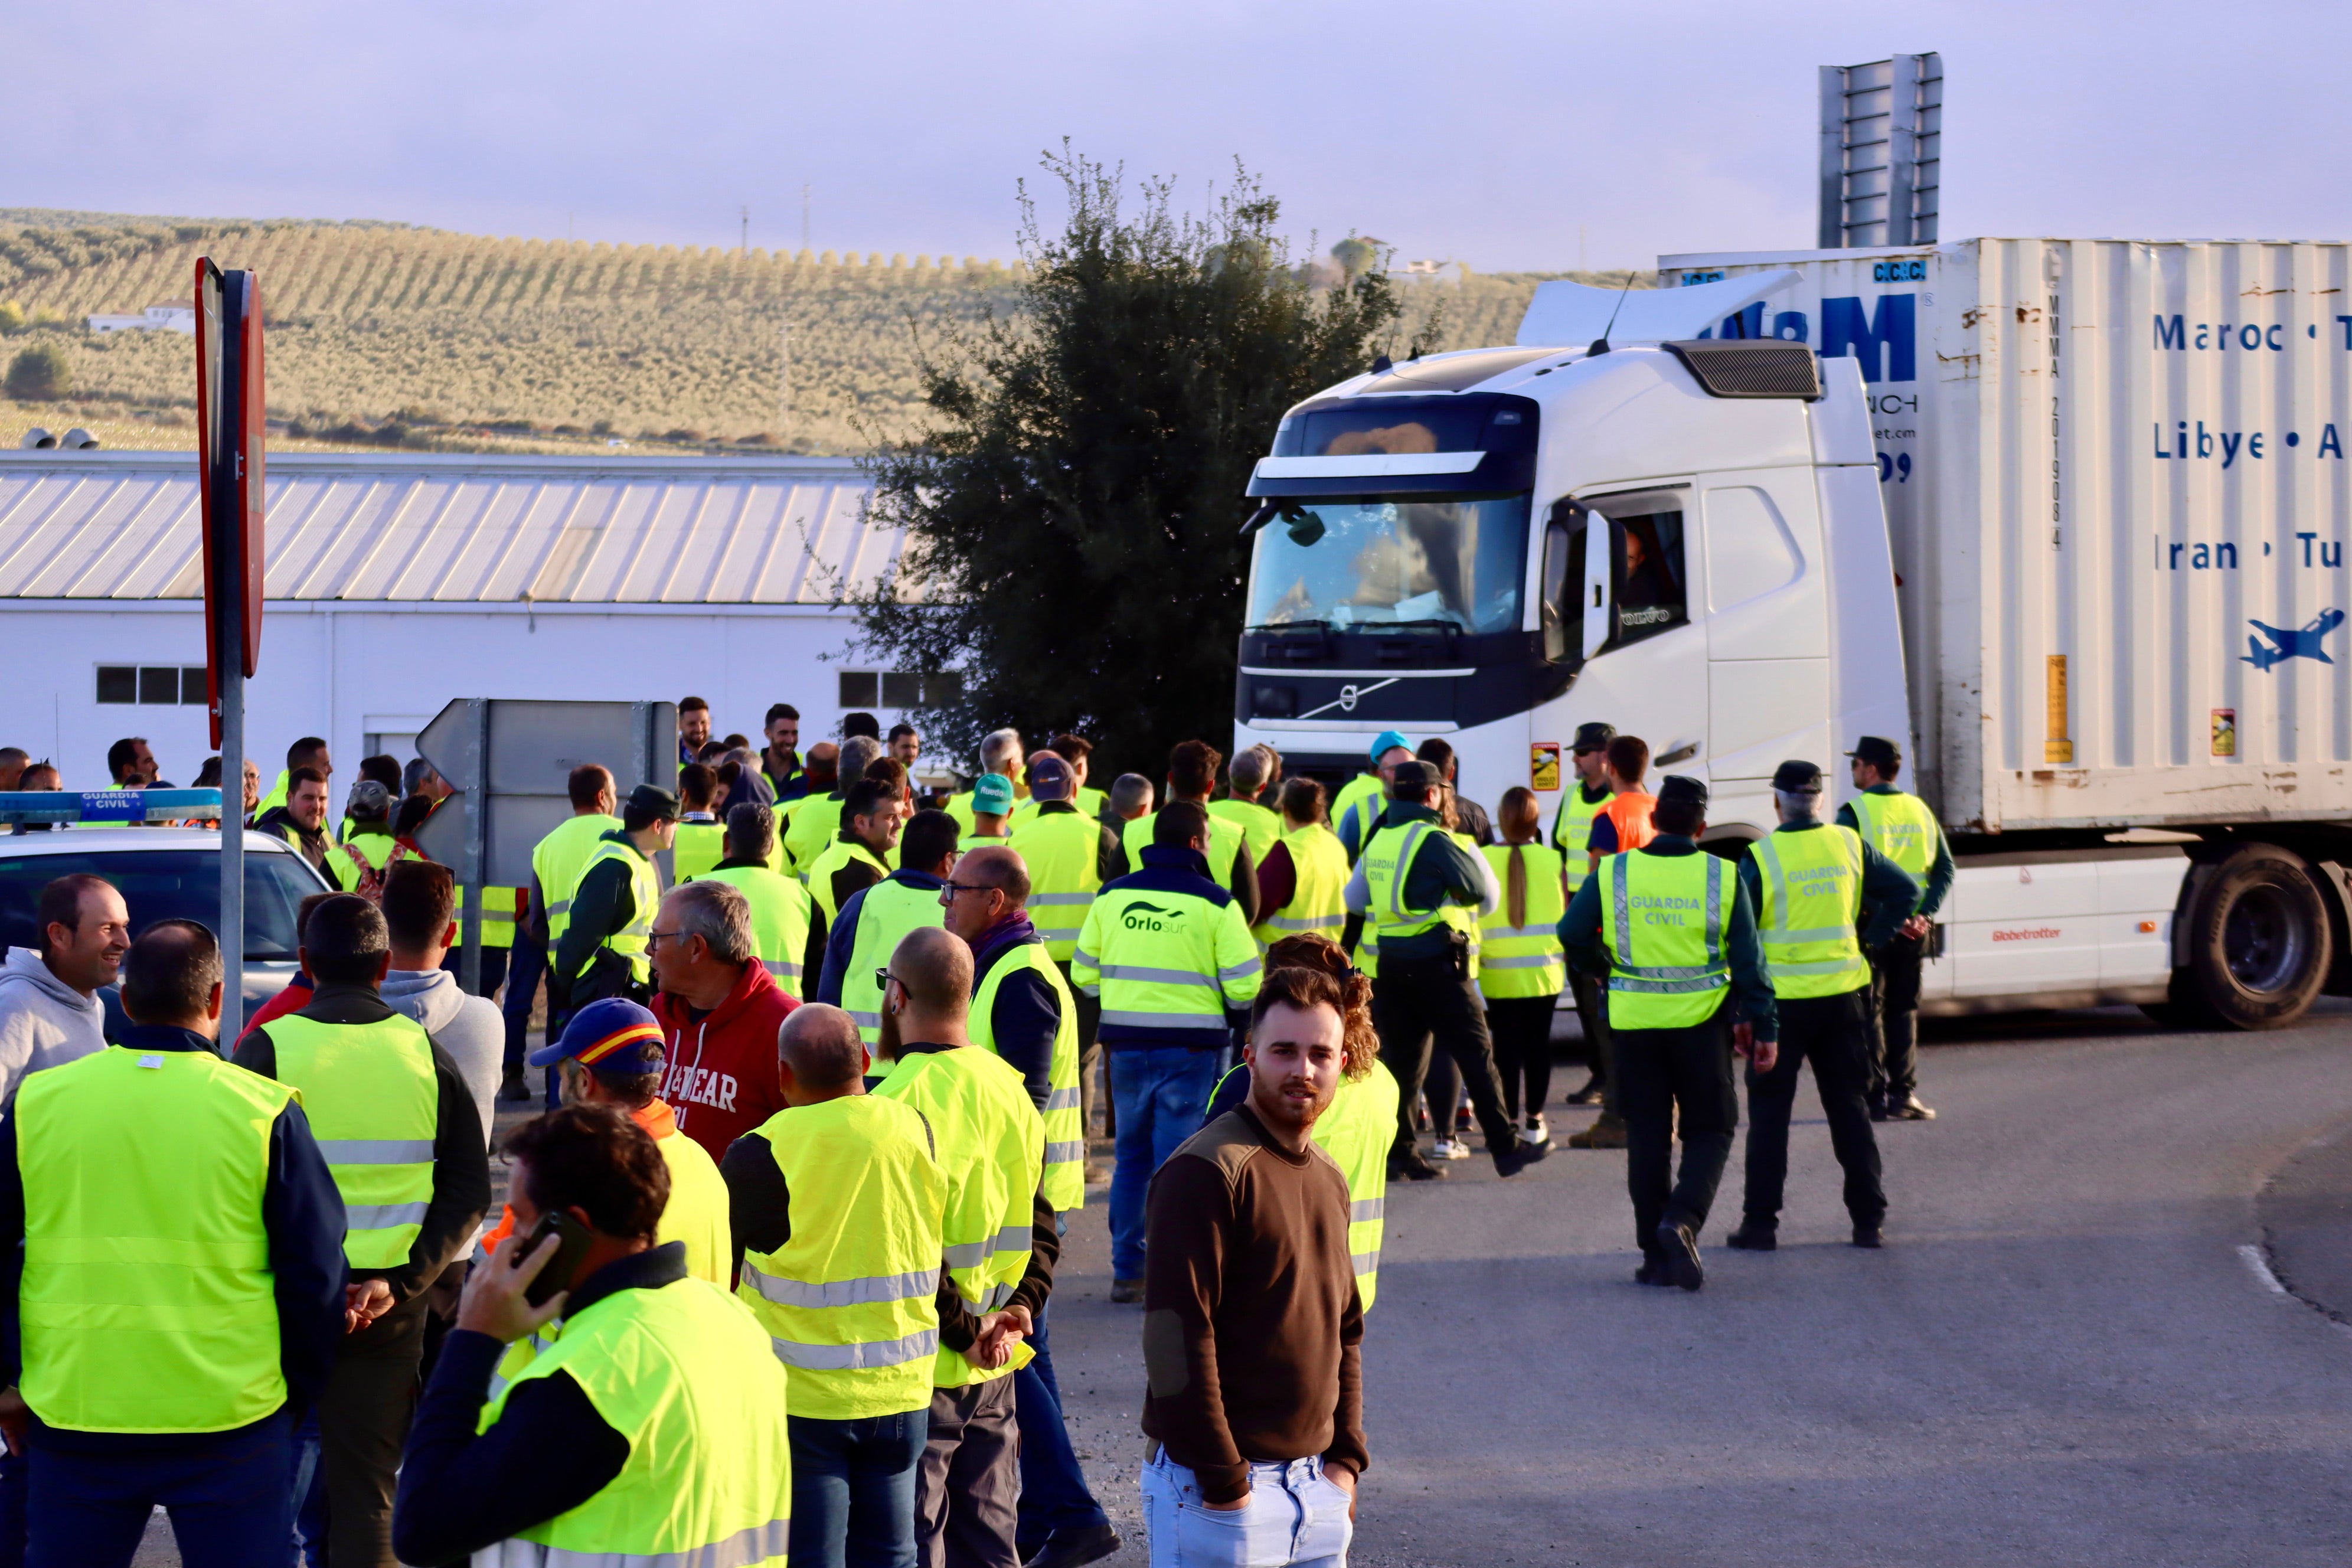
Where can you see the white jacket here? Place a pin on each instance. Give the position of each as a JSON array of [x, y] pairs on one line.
[[44, 1022], [470, 1030]]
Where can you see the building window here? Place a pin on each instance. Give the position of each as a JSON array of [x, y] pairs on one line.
[[898, 688], [152, 685]]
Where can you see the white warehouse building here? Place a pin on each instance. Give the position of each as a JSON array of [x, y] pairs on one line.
[[396, 582]]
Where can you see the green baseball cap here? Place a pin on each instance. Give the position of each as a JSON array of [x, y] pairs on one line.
[[993, 794]]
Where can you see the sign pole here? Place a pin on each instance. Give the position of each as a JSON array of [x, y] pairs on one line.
[[477, 828]]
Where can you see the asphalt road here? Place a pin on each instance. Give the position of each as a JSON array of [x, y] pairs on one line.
[[2083, 1343], [2061, 1357]]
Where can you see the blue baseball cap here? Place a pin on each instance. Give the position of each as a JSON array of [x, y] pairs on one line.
[[993, 793], [1389, 739], [613, 1035]]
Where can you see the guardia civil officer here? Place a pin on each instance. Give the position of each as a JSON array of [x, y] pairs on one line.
[[1901, 827], [1808, 881], [1422, 895], [1677, 934], [602, 949]]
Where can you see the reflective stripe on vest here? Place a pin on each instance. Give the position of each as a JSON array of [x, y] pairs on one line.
[[1901, 827], [1066, 1134], [849, 1300], [1571, 833], [688, 1380], [782, 911], [888, 912], [374, 1104], [1356, 1132], [1662, 919], [645, 893], [991, 1144], [1318, 904], [1062, 850], [1160, 964], [147, 1302], [557, 861], [1523, 960], [1813, 891]]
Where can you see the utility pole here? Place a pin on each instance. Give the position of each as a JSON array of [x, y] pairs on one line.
[[805, 215], [784, 381]]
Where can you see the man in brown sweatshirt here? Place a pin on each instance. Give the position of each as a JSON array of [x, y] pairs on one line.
[[1251, 1328]]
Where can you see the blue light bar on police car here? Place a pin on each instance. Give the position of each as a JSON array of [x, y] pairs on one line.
[[110, 806]]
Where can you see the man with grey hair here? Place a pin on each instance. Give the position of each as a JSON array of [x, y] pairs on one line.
[[787, 930], [1808, 881], [816, 822], [718, 1009], [1000, 752], [1131, 797], [1247, 777]]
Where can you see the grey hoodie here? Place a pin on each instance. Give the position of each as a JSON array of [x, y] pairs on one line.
[[469, 1029], [44, 1022]]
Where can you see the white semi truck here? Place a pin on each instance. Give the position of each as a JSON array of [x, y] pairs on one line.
[[2067, 516]]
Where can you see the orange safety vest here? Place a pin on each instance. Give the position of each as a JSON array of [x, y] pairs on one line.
[[1630, 813]]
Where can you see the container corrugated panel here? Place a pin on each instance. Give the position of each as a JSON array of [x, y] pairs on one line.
[[2116, 481], [749, 530]]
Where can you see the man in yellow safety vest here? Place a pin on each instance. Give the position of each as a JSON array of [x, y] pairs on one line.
[[1901, 827], [1810, 881], [556, 863], [649, 1427], [1572, 828], [1672, 929], [838, 1203], [143, 1187]]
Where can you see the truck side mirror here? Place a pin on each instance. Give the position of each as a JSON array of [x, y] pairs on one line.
[[1599, 621], [1563, 572]]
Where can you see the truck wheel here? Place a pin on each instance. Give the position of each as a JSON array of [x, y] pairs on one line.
[[2258, 940]]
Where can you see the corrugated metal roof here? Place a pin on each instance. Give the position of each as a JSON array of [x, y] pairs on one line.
[[455, 529]]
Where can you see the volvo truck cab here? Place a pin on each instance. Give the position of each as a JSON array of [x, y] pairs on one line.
[[1679, 536]]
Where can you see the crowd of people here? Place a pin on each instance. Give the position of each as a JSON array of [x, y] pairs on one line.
[[823, 1055]]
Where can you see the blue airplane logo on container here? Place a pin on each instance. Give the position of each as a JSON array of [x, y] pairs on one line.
[[2286, 645]]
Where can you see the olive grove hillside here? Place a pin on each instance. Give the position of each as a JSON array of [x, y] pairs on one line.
[[391, 335]]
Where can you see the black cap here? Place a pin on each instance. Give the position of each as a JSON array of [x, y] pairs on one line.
[[1680, 789], [1797, 778], [1594, 737], [1877, 751], [1412, 775], [652, 800]]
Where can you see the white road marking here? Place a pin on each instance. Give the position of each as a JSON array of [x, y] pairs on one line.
[[2261, 1269]]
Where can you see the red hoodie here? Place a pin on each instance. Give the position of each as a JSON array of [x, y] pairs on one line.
[[721, 1077]]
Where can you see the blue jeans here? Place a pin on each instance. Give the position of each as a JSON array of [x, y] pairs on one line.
[[1295, 1517], [853, 1490], [1159, 1092], [1054, 1494], [229, 1501]]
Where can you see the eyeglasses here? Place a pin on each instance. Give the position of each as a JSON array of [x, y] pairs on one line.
[[654, 939], [954, 888]]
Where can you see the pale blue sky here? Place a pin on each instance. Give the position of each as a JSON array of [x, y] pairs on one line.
[[1482, 132]]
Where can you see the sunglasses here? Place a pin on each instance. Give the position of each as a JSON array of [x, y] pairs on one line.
[[884, 979]]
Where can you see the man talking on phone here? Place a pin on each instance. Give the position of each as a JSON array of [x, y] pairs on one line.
[[651, 1429]]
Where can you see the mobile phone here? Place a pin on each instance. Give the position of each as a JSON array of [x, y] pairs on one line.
[[557, 1275]]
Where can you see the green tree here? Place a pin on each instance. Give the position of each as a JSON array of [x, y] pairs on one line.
[[39, 373], [1356, 254], [1073, 505]]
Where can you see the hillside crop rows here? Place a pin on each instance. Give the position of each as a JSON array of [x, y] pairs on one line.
[[372, 324]]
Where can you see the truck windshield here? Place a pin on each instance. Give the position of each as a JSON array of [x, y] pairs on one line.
[[166, 884], [1366, 564]]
